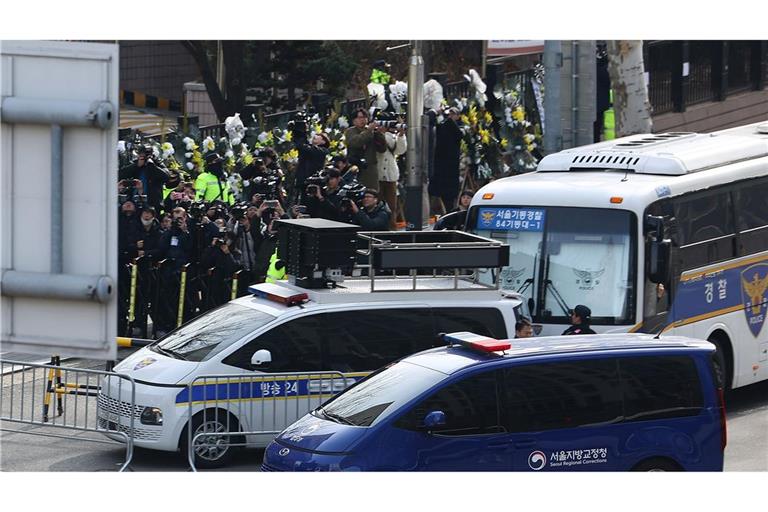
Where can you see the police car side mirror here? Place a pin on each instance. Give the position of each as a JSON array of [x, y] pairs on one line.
[[261, 358], [434, 419]]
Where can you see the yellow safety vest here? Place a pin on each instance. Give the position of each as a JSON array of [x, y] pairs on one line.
[[273, 274], [207, 189]]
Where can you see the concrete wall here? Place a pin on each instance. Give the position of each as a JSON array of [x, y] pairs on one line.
[[736, 110], [197, 103]]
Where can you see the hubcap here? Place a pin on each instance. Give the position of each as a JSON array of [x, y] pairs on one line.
[[211, 447]]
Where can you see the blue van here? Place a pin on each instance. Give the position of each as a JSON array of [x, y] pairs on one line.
[[568, 403]]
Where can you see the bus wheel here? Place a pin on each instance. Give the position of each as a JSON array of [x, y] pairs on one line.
[[657, 464], [720, 363]]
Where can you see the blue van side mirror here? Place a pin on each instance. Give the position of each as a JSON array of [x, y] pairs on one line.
[[434, 419]]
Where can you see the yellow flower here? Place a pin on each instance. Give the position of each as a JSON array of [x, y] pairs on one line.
[[488, 118], [248, 159], [318, 128], [334, 144], [504, 143], [485, 136], [288, 135], [519, 114], [529, 147], [291, 155], [464, 119]]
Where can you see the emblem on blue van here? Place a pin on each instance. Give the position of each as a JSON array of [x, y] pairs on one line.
[[537, 460], [283, 452], [144, 363], [754, 283]]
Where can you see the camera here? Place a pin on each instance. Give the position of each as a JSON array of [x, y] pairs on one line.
[[197, 210], [351, 192], [267, 186], [299, 125], [389, 120], [238, 210], [316, 182]]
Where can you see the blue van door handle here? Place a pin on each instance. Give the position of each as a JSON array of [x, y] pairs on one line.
[[525, 444]]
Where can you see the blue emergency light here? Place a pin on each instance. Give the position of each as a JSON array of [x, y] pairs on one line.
[[476, 342], [277, 293]]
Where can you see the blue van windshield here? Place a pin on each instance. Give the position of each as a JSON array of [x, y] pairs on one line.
[[381, 392]]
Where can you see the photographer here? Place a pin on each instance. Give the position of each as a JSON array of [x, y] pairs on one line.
[[388, 171], [211, 185], [218, 257], [265, 268], [445, 181], [348, 171], [247, 238], [362, 141], [175, 246], [324, 203], [311, 158], [151, 176], [374, 214]]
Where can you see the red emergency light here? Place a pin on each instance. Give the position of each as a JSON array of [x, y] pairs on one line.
[[476, 342], [277, 293]]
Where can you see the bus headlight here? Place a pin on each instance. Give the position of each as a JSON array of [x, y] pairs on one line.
[[152, 416]]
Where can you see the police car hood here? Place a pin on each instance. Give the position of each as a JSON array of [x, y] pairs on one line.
[[151, 367], [315, 434]]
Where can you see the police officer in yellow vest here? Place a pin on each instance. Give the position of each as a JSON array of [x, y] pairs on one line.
[[609, 120], [211, 184], [276, 271]]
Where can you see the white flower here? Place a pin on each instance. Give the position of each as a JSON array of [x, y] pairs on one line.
[[208, 145], [167, 150], [263, 136], [229, 153], [343, 122], [121, 146], [190, 165], [377, 91], [188, 155], [236, 141], [235, 128], [187, 140], [433, 94]]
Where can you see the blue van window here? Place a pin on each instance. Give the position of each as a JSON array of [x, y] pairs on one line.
[[471, 407], [561, 395], [660, 387]]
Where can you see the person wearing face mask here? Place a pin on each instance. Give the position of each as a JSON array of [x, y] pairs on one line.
[[149, 234]]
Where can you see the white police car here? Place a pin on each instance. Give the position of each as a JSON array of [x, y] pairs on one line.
[[296, 333]]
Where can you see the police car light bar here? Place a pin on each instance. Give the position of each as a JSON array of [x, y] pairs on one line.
[[278, 294], [476, 342]]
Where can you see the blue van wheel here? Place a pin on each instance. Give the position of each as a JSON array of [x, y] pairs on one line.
[[657, 464]]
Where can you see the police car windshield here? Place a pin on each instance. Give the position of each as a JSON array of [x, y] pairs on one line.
[[212, 332], [381, 392]]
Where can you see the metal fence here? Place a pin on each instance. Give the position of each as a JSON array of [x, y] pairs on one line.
[[226, 411], [170, 293], [50, 398]]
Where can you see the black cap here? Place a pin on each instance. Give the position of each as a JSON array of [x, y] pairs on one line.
[[380, 64], [333, 173], [582, 312]]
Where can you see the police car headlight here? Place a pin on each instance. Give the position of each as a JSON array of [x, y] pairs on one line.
[[152, 416]]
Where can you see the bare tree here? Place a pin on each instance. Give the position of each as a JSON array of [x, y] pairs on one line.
[[630, 92]]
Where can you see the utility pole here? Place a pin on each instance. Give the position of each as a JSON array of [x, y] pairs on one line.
[[415, 153], [553, 66]]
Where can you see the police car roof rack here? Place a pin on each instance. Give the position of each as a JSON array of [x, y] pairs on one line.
[[415, 252]]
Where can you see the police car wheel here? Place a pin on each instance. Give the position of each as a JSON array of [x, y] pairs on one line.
[[212, 451]]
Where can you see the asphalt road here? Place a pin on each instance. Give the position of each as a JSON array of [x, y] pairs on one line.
[[747, 448]]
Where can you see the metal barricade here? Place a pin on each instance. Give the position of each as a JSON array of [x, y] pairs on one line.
[[54, 398], [252, 409]]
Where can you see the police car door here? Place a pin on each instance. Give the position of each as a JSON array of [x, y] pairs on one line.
[[560, 414], [472, 437]]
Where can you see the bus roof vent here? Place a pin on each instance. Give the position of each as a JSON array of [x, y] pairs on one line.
[[674, 153]]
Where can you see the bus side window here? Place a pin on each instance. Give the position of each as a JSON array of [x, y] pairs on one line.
[[752, 216]]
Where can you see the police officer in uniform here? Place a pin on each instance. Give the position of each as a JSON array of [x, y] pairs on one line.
[[212, 185], [580, 317]]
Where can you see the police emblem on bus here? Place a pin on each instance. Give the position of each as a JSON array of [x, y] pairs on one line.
[[754, 283], [144, 363], [537, 460], [510, 276], [487, 217], [588, 279]]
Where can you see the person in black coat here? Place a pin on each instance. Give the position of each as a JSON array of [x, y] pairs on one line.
[[374, 215], [311, 159], [151, 176], [580, 317], [444, 183]]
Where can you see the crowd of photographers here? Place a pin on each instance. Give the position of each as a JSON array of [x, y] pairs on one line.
[[188, 246]]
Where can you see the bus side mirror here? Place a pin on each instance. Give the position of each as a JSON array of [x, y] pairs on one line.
[[658, 261], [261, 358]]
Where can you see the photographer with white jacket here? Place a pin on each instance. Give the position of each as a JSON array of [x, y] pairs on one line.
[[388, 171]]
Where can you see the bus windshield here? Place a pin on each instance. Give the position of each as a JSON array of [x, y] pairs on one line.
[[563, 256]]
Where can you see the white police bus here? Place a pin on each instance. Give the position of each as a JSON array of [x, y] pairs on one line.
[[652, 232]]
